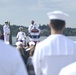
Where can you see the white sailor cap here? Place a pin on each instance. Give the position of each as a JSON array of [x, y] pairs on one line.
[[31, 43], [57, 15]]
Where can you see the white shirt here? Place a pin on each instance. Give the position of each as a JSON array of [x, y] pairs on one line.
[[34, 26], [53, 45], [6, 29], [10, 61], [21, 35], [69, 70]]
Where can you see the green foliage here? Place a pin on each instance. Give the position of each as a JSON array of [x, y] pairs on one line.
[[1, 28], [45, 30], [70, 32]]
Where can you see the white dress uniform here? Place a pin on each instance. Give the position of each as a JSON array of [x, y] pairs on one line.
[[34, 36], [21, 36], [69, 70], [55, 44], [11, 62], [6, 31]]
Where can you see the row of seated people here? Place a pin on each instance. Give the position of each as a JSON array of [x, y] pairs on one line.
[[27, 53]]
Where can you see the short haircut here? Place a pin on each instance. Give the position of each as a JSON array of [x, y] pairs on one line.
[[57, 24], [20, 28], [32, 22]]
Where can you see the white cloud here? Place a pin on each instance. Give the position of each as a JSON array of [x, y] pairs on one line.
[[68, 5], [59, 4], [22, 11]]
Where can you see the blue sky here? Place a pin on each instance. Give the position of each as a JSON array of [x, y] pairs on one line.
[[21, 12]]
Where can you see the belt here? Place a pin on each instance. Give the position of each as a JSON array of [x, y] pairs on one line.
[[34, 36]]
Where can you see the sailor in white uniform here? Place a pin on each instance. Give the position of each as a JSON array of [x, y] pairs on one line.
[[21, 36], [34, 32], [6, 31], [11, 62], [55, 44]]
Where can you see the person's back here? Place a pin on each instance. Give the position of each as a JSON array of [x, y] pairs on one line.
[[55, 44], [58, 45], [10, 61]]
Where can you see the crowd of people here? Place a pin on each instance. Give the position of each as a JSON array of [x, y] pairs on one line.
[[34, 57], [26, 49]]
